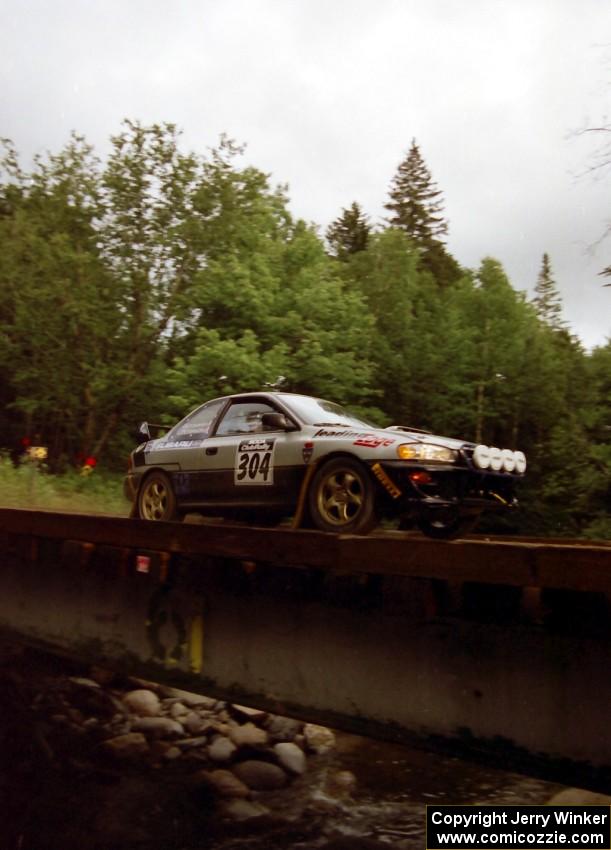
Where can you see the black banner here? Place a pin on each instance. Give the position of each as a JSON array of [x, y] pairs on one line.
[[509, 827]]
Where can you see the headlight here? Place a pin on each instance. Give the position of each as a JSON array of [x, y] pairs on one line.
[[425, 451]]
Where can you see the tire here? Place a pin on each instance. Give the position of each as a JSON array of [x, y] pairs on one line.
[[342, 497], [446, 525], [156, 499]]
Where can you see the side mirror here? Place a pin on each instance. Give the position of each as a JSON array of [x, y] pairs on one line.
[[277, 422], [145, 430]]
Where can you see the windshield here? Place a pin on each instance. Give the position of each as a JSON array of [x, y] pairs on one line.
[[315, 411]]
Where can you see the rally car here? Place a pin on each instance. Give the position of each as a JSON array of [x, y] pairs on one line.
[[268, 455]]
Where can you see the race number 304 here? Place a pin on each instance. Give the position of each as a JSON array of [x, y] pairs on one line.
[[255, 462]]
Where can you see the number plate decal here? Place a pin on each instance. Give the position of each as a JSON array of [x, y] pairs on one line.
[[254, 461]]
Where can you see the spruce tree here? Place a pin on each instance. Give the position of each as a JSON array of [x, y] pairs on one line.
[[547, 301], [416, 207], [349, 233], [415, 202]]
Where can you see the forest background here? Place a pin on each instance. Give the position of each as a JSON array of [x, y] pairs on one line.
[[141, 286]]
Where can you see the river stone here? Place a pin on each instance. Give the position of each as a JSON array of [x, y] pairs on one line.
[[248, 735], [291, 757], [341, 783], [172, 754], [221, 749], [578, 797], [178, 711], [193, 700], [282, 728], [143, 703], [260, 775], [246, 713], [319, 739], [159, 727], [195, 723], [224, 782], [243, 809], [80, 680], [127, 746], [192, 743]]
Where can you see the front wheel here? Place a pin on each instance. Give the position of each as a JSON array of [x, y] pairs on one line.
[[156, 499], [342, 498], [446, 525]]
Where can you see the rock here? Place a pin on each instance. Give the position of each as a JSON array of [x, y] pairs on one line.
[[248, 735], [224, 782], [291, 757], [245, 713], [578, 797], [192, 743], [221, 749], [243, 809], [143, 703], [101, 675], [195, 723], [87, 683], [128, 746], [319, 739], [158, 727], [172, 753], [178, 711], [341, 783], [193, 700], [158, 749], [282, 728], [260, 775], [89, 698]]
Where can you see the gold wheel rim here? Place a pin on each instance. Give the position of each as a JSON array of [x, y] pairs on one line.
[[155, 500], [340, 497]]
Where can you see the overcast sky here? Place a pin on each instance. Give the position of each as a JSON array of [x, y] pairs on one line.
[[328, 94]]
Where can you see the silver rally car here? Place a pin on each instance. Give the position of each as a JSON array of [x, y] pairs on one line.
[[268, 455]]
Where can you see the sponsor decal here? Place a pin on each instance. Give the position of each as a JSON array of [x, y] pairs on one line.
[[254, 461], [179, 444], [370, 441], [307, 450], [324, 432], [385, 481]]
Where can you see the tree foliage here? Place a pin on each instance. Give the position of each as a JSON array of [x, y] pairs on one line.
[[349, 233], [547, 300], [140, 286]]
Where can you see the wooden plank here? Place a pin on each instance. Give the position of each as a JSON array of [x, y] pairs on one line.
[[582, 568]]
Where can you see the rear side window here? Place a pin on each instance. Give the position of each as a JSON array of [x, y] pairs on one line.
[[197, 425]]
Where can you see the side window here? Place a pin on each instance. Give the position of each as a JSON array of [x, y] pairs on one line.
[[197, 425], [244, 417]]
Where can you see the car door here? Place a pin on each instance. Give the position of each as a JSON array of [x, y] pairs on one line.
[[249, 464]]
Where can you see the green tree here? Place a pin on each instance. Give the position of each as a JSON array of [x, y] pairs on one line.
[[58, 317], [416, 207], [547, 300], [349, 233]]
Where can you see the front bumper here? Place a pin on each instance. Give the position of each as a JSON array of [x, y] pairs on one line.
[[468, 490]]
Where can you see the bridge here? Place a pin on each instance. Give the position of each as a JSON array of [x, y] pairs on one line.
[[499, 647]]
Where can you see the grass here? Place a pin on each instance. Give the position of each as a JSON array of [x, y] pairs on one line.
[[31, 486]]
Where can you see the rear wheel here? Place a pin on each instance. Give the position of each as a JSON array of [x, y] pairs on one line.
[[156, 499], [342, 497]]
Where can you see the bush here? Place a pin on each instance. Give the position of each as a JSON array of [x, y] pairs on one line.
[[30, 485]]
